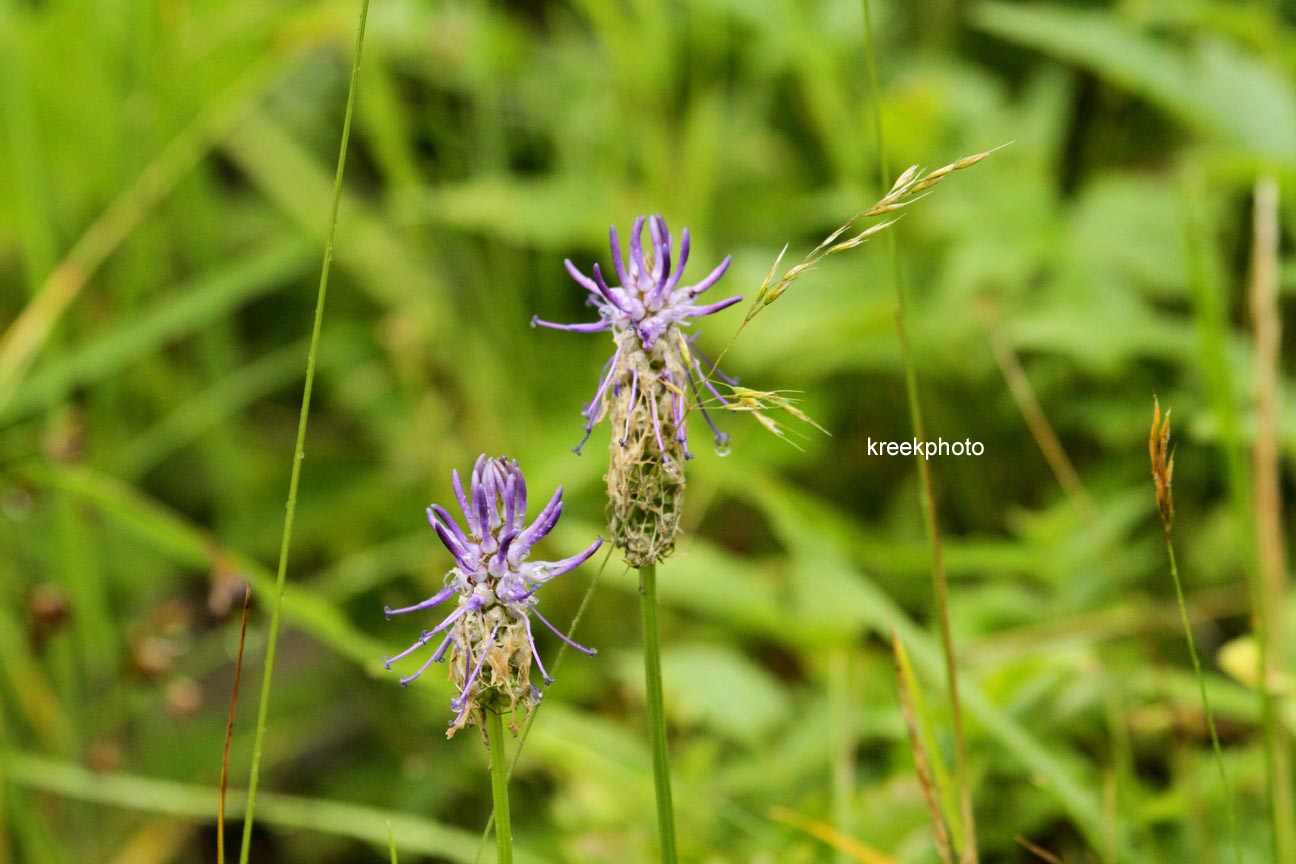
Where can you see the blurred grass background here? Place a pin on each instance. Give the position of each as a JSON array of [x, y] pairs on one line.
[[165, 168]]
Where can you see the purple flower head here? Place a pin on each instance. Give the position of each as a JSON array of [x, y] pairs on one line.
[[488, 636], [654, 362], [648, 298]]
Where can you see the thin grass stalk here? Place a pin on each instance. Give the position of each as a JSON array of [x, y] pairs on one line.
[[922, 764], [299, 454], [499, 770], [1039, 851], [1162, 456], [1212, 317], [657, 712], [1271, 548], [1206, 706], [391, 843], [968, 853], [1032, 412], [229, 724]]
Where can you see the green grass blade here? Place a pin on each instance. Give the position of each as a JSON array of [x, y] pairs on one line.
[[191, 307], [299, 449], [194, 803]]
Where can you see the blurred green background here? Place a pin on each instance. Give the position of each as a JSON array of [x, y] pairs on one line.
[[165, 173]]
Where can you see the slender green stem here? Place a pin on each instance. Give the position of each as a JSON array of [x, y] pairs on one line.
[[968, 852], [499, 769], [535, 711], [300, 447], [1212, 318], [657, 711], [1206, 706], [1271, 547]]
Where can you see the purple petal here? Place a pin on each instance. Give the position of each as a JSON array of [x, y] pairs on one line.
[[606, 291], [435, 658], [519, 501], [492, 483], [534, 651], [479, 501], [510, 501], [661, 248], [589, 430], [439, 654], [697, 395], [590, 651], [711, 278], [673, 279], [435, 600], [603, 384], [652, 407], [634, 390], [463, 556], [584, 281], [475, 497], [636, 248], [592, 327], [543, 524], [551, 569], [438, 513], [699, 311], [617, 261], [463, 499], [591, 411], [422, 640], [505, 542]]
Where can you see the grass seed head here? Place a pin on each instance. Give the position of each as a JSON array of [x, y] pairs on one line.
[[1162, 462]]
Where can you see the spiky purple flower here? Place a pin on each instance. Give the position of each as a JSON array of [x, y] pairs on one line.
[[488, 635], [646, 389], [646, 312]]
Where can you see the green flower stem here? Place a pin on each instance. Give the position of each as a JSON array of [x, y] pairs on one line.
[[499, 769], [657, 712], [299, 450], [1206, 705]]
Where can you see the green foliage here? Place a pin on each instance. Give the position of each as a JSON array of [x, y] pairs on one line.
[[166, 170]]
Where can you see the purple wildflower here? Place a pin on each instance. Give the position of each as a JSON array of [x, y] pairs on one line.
[[645, 311], [488, 635]]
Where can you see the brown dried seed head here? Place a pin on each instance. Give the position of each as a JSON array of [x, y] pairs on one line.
[[1162, 462]]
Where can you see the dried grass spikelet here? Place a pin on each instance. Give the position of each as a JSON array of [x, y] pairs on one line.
[[645, 476], [1162, 462], [910, 186]]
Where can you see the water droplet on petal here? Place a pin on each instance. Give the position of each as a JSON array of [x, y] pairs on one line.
[[722, 447]]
